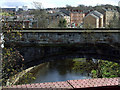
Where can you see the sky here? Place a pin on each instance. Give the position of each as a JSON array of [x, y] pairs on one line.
[[54, 3]]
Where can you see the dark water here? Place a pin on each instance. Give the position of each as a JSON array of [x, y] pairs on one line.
[[59, 70], [78, 68], [70, 63]]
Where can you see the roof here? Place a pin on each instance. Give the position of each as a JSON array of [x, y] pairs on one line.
[[71, 84], [66, 12], [9, 9], [97, 13], [55, 14], [94, 16], [91, 14], [109, 9]]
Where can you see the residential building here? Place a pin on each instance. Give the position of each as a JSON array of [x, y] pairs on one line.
[[66, 15], [93, 20], [19, 22], [109, 14], [54, 17], [76, 18], [67, 18]]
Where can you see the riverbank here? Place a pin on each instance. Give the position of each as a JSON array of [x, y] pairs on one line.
[[18, 77]]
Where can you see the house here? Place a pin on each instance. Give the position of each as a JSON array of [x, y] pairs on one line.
[[93, 20], [109, 14], [18, 22], [66, 15], [54, 17], [76, 18]]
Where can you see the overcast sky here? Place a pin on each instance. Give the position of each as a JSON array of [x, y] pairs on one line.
[[55, 3]]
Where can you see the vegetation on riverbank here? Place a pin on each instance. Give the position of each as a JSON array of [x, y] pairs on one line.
[[12, 60], [31, 72], [97, 68]]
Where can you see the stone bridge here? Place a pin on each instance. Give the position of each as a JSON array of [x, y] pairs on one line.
[[38, 46], [68, 36], [45, 45], [35, 55]]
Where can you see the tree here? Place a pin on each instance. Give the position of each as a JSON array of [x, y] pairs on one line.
[[115, 22], [107, 69], [84, 65], [10, 56], [10, 66], [69, 7], [53, 24], [62, 23], [12, 60], [97, 68], [40, 15]]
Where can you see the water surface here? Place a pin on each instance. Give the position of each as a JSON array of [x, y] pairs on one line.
[[59, 70]]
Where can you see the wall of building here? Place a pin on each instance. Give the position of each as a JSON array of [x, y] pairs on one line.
[[91, 22], [109, 16], [76, 17], [101, 22]]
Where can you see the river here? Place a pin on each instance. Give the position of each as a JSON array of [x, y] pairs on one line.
[[73, 69], [59, 70], [70, 63]]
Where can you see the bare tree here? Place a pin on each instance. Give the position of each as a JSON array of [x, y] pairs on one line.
[[40, 15], [114, 23]]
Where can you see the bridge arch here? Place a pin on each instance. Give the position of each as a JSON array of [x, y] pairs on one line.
[[37, 55]]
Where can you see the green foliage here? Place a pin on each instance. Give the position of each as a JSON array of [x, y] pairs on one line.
[[94, 73], [5, 14], [110, 69], [115, 22], [82, 66], [98, 69], [10, 66], [62, 23], [26, 79], [12, 60]]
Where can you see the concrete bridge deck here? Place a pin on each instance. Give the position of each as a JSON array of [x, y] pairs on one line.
[[70, 84]]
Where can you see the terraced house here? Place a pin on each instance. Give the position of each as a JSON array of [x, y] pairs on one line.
[[93, 20], [76, 17], [109, 14]]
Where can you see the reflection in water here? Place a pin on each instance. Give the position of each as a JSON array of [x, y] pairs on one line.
[[78, 68], [59, 70]]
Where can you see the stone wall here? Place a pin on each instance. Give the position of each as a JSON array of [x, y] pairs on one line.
[[41, 37]]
